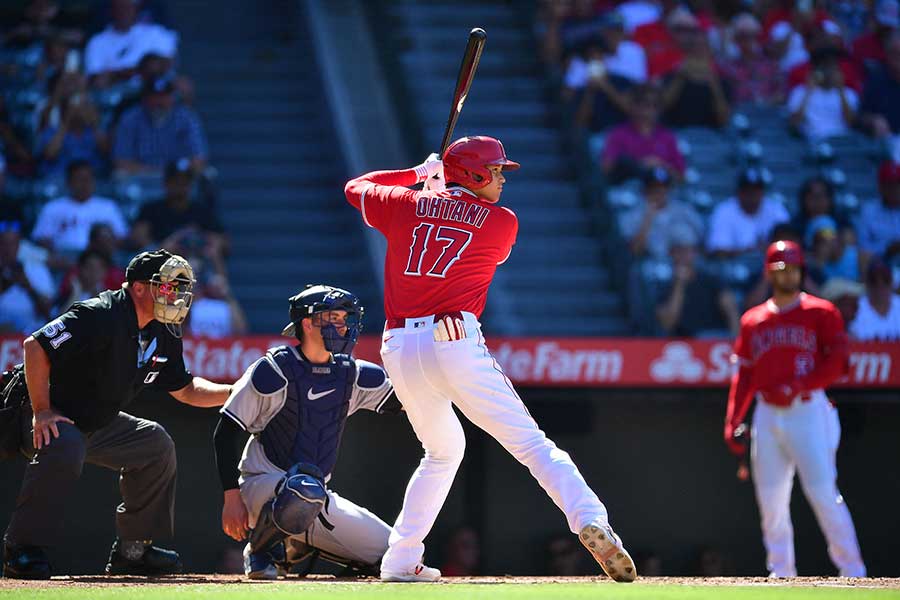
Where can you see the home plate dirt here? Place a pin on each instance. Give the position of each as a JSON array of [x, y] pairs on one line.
[[188, 579]]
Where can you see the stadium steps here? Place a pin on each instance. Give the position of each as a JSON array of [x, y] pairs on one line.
[[556, 267], [259, 92]]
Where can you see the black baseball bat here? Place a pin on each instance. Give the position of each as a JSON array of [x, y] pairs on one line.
[[477, 38]]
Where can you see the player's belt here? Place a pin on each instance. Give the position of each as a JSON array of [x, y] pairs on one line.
[[401, 323]]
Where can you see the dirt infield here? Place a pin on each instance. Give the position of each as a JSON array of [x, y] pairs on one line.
[[193, 579]]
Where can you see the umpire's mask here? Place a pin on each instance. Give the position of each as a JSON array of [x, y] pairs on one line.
[[172, 291]]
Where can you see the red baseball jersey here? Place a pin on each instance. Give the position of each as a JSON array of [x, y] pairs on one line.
[[442, 247], [802, 346]]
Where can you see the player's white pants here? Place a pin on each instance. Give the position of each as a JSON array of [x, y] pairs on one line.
[[803, 438], [429, 378], [358, 535]]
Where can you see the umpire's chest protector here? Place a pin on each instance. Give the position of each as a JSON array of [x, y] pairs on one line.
[[309, 426]]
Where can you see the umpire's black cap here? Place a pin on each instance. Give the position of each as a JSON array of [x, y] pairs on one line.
[[146, 264]]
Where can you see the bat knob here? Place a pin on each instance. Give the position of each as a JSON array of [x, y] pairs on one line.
[[478, 32]]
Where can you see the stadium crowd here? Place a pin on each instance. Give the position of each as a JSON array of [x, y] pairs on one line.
[[683, 108], [101, 155]]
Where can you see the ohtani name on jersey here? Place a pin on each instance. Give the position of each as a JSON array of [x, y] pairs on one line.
[[452, 209], [793, 336]]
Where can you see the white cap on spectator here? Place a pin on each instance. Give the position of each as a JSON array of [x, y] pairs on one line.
[[746, 23], [887, 12], [682, 17], [838, 287]]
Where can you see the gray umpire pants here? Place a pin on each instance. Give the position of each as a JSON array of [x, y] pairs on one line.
[[140, 450]]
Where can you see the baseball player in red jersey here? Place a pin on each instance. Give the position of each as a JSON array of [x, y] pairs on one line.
[[443, 248], [790, 349]]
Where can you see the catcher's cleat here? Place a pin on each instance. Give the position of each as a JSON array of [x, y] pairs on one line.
[[607, 549], [418, 573], [25, 562], [149, 560], [265, 565]]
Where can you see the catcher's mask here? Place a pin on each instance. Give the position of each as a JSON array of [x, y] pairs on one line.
[[171, 282], [336, 312]]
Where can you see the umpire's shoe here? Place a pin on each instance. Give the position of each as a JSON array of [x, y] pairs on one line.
[[141, 558], [607, 549], [25, 562]]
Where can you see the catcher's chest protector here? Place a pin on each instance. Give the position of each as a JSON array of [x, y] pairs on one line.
[[309, 426]]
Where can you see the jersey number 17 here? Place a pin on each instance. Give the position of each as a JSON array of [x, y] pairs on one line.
[[455, 242]]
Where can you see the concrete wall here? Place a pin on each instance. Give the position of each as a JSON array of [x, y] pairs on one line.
[[655, 458]]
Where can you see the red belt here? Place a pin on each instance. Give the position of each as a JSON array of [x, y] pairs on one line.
[[401, 323], [804, 397]]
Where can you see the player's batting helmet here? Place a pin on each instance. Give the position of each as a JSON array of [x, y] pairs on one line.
[[324, 298], [783, 253], [466, 161]]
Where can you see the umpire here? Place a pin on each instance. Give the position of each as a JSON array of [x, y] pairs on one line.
[[81, 369]]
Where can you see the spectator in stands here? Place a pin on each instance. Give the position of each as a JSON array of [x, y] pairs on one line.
[[753, 76], [693, 94], [215, 312], [25, 288], [869, 48], [103, 242], [89, 279], [814, 199], [603, 100], [878, 225], [176, 223], [113, 54], [463, 553], [11, 145], [743, 223], [696, 303], [77, 137], [649, 227], [64, 224], [880, 110], [54, 59], [40, 20], [642, 143], [663, 38], [833, 256], [65, 88], [157, 132], [845, 295], [618, 55], [878, 317], [561, 25], [824, 107]]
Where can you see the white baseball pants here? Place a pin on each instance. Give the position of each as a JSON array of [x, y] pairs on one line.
[[429, 378], [803, 438]]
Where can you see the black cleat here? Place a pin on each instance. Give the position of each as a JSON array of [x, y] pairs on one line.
[[153, 561], [25, 562]]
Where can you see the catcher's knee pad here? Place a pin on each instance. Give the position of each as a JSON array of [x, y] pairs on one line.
[[299, 499]]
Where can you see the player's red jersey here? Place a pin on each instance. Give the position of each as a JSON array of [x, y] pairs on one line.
[[443, 247], [781, 353]]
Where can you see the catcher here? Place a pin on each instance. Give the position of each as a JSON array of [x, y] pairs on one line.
[[295, 402]]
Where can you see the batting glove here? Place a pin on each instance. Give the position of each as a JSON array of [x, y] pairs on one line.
[[432, 173]]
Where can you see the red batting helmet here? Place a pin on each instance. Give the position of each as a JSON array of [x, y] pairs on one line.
[[466, 161], [783, 253]]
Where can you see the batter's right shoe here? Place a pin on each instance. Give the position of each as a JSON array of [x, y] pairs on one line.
[[607, 549], [268, 565], [419, 573], [25, 562]]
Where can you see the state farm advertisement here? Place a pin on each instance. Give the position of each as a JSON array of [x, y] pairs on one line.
[[550, 362]]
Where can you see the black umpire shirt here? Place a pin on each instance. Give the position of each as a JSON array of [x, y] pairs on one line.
[[100, 360]]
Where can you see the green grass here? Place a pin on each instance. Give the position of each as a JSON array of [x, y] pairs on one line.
[[353, 591]]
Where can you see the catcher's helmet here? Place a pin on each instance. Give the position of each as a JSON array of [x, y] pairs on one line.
[[466, 161], [323, 298], [783, 253]]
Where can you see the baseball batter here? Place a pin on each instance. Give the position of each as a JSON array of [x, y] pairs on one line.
[[443, 248], [295, 402], [788, 351]]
